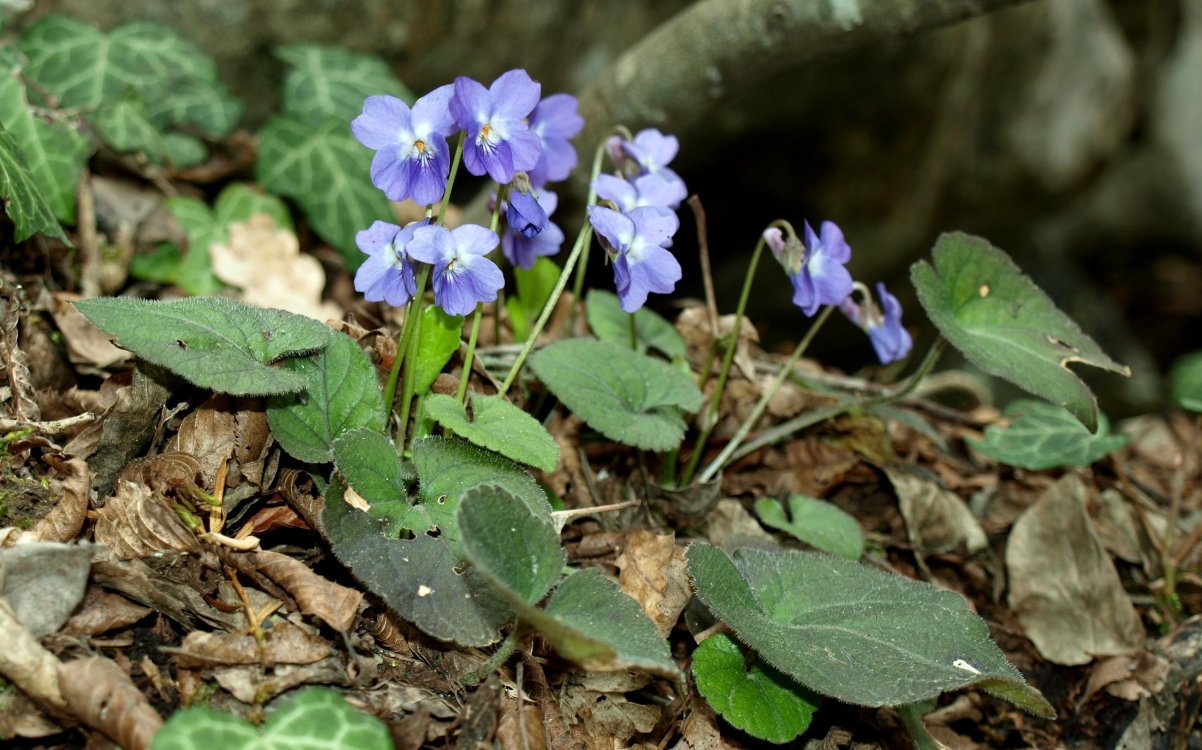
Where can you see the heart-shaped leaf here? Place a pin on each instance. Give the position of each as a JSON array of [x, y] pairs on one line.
[[333, 82], [497, 425], [753, 697], [1045, 436], [984, 305], [213, 342], [818, 523], [517, 549], [341, 393], [372, 467], [609, 322], [20, 196], [624, 395], [315, 718], [852, 632]]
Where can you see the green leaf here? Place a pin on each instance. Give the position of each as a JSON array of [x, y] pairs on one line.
[[341, 393], [497, 425], [449, 467], [1044, 436], [816, 522], [852, 632], [333, 82], [517, 549], [20, 196], [609, 322], [125, 125], [420, 579], [624, 395], [54, 151], [201, 103], [1186, 382], [439, 340], [984, 305], [534, 286], [239, 201], [325, 170], [314, 718], [371, 465], [754, 698], [213, 342]]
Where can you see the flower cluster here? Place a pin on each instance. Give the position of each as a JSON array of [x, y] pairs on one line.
[[511, 135], [638, 231]]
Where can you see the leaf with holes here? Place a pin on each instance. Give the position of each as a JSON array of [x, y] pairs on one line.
[[1042, 436], [332, 82], [624, 395], [372, 467], [609, 322], [818, 523], [870, 638], [497, 425], [325, 170], [213, 342], [752, 696], [996, 316]]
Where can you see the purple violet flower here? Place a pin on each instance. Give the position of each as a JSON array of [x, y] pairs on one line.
[[817, 271], [646, 190], [521, 250], [412, 159], [463, 276], [387, 274], [498, 141], [889, 337], [523, 214], [636, 243], [652, 149], [555, 121]]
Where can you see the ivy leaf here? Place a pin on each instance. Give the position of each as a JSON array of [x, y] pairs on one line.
[[497, 425], [212, 342], [756, 699], [1186, 382], [517, 549], [20, 196], [818, 523], [609, 322], [325, 170], [54, 152], [420, 579], [1045, 436], [202, 103], [125, 125], [333, 82], [624, 395], [316, 718], [870, 638], [341, 393], [534, 286], [984, 305], [439, 340]]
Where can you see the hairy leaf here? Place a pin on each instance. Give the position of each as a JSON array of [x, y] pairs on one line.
[[333, 82], [213, 342], [624, 395], [497, 425], [341, 393], [609, 322], [852, 632], [517, 549], [372, 467], [1044, 436], [816, 522], [996, 316], [753, 697]]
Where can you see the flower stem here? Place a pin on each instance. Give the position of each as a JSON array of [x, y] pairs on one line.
[[710, 417], [446, 197], [758, 411], [582, 269], [466, 375], [583, 239], [413, 312], [410, 368]]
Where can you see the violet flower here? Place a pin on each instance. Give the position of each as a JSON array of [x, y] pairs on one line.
[[412, 159], [645, 190], [463, 276], [523, 214], [499, 142], [889, 338], [636, 241], [387, 274], [523, 250], [817, 272], [555, 121], [653, 151]]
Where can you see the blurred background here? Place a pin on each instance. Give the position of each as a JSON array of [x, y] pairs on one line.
[[1067, 132]]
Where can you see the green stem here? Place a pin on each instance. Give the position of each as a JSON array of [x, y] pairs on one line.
[[466, 375], [634, 332], [579, 249], [413, 313], [408, 385], [582, 269], [711, 414], [446, 197], [499, 657], [919, 735], [771, 391]]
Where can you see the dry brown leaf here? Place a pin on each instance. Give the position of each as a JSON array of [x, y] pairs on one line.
[[1063, 586], [335, 605], [164, 472], [266, 263], [137, 522], [693, 324], [103, 696], [24, 403], [86, 344], [20, 717], [699, 730], [24, 662], [607, 717], [63, 522], [256, 685], [806, 467], [652, 571], [166, 587], [730, 526], [272, 517], [937, 520], [102, 611], [1129, 676], [521, 731], [283, 643], [227, 429]]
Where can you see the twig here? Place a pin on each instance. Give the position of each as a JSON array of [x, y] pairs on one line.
[[703, 251], [51, 427]]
